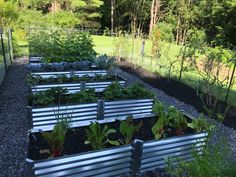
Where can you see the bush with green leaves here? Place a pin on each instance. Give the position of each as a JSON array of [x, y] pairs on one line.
[[214, 161], [136, 91], [200, 124], [128, 129], [98, 137], [173, 121], [48, 97], [57, 45], [104, 62], [84, 96], [113, 91]]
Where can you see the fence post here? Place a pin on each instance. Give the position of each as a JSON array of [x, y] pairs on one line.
[[82, 85], [3, 49], [230, 83], [30, 167], [9, 44], [72, 73], [136, 157], [101, 107]]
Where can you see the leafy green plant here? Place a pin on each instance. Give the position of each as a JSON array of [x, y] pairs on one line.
[[104, 62], [177, 120], [212, 162], [158, 128], [42, 98], [33, 80], [49, 96], [128, 129], [113, 91], [200, 124], [57, 45], [137, 90], [84, 96], [56, 139], [98, 137]]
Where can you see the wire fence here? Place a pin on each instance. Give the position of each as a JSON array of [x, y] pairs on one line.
[[138, 49], [6, 52]]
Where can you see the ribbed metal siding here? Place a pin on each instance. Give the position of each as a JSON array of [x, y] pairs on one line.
[[45, 119], [105, 163], [155, 153], [76, 73], [73, 88], [120, 109]]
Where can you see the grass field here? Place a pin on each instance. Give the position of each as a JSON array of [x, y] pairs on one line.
[[106, 45]]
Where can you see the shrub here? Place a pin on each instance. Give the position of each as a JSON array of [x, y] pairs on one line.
[[57, 45], [104, 62], [213, 162]]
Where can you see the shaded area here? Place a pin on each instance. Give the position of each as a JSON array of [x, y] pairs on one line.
[[14, 122], [176, 89]]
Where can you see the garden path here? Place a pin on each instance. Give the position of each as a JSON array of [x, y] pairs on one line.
[[14, 122]]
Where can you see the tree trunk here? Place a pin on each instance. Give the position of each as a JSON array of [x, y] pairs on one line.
[[155, 9], [112, 16]]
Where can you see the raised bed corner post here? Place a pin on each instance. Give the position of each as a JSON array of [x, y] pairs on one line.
[[136, 157], [82, 85], [100, 108], [72, 73], [30, 115], [30, 167], [3, 49]]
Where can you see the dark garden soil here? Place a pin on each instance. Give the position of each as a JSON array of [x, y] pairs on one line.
[[75, 138], [176, 89]]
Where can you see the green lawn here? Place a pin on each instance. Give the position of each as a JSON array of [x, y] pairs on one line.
[[105, 45]]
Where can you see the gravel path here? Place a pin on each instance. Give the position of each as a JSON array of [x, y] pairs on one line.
[[220, 131], [14, 123]]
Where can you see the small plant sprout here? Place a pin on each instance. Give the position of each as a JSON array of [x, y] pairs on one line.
[[200, 124], [128, 129], [98, 137]]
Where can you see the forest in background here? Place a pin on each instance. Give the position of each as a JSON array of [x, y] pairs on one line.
[[175, 19]]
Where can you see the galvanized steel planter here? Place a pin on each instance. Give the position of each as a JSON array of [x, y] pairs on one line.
[[44, 118], [132, 159], [90, 73], [76, 87]]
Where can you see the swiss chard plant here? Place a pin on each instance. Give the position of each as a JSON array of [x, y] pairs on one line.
[[128, 129], [98, 137], [199, 125], [158, 129], [177, 120], [56, 139]]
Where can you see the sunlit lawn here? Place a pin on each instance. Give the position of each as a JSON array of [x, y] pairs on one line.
[[105, 45]]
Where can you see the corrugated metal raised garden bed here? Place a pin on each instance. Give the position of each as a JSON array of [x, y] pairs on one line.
[[122, 154]]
